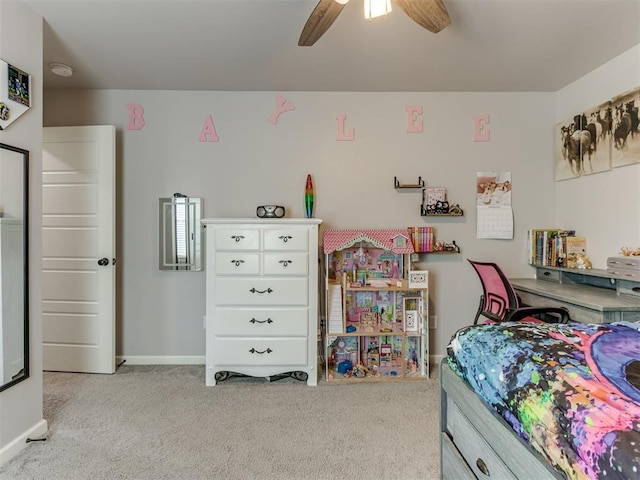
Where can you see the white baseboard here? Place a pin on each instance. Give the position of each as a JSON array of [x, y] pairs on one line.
[[19, 443], [161, 359], [435, 359]]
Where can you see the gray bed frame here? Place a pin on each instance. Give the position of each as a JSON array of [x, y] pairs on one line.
[[475, 442]]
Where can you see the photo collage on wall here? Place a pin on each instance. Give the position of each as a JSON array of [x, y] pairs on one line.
[[600, 138]]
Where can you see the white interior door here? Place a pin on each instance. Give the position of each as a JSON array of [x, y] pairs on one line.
[[78, 250]]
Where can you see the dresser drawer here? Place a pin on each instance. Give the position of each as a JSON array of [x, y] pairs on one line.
[[258, 322], [232, 263], [286, 239], [260, 351], [237, 239], [261, 291], [626, 263], [286, 263], [480, 457], [624, 274], [548, 274]]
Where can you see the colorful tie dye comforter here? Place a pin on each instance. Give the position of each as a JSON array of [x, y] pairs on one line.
[[571, 391]]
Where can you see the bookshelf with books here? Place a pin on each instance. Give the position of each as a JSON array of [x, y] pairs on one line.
[[377, 307], [554, 247]]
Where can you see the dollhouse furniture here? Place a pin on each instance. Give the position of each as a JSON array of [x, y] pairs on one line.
[[262, 298], [377, 307]]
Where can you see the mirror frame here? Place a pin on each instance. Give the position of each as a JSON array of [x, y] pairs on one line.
[[25, 200]]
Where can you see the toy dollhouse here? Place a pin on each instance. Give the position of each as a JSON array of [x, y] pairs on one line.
[[376, 319]]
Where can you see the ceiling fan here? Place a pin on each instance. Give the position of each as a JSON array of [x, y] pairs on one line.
[[430, 14]]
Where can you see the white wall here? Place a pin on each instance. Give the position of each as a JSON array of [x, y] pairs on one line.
[[256, 162], [21, 44], [604, 207]]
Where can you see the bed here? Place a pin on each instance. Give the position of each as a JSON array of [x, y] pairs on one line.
[[541, 401]]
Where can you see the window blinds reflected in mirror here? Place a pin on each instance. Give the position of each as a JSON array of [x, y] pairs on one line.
[[180, 233]]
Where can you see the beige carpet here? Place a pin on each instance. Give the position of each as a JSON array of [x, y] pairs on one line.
[[162, 422]]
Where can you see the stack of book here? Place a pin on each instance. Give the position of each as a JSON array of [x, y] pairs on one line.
[[422, 238], [551, 247]]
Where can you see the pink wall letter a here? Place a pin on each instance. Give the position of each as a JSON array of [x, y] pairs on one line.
[[208, 129]]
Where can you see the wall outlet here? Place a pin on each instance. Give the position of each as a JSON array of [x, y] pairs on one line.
[[433, 322]]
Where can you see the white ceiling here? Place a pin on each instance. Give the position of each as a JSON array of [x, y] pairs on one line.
[[230, 45]]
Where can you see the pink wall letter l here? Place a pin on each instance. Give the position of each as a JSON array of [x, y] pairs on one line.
[[342, 135]]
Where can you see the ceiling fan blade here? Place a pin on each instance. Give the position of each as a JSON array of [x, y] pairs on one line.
[[320, 20], [430, 14]]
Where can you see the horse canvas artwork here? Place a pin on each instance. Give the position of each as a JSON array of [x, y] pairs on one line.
[[625, 128], [583, 143], [599, 138]]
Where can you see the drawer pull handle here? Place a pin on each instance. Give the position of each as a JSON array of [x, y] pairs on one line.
[[237, 262], [268, 290], [547, 274], [636, 289], [253, 320], [237, 238], [285, 238], [482, 467], [285, 263], [253, 350]]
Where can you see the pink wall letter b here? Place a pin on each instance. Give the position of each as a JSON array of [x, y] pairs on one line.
[[136, 116]]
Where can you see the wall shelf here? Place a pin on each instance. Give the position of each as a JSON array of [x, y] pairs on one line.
[[398, 185]]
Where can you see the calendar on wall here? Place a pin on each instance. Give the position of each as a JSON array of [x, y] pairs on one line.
[[493, 203]]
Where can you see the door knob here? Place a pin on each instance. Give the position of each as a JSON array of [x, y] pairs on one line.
[[103, 261]]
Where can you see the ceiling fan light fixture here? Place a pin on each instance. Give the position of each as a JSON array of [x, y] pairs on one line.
[[376, 8]]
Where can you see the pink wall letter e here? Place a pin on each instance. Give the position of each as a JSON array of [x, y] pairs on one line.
[[136, 116], [208, 129], [413, 124], [481, 132]]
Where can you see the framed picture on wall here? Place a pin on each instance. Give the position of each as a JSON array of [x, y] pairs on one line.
[[15, 93], [625, 131]]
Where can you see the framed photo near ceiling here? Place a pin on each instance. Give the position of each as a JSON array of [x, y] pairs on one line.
[[15, 93]]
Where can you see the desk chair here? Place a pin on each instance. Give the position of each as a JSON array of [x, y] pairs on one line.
[[500, 303]]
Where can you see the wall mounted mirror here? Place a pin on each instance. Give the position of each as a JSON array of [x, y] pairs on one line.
[[180, 233], [14, 282]]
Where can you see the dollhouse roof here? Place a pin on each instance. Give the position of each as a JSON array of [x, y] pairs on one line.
[[340, 239]]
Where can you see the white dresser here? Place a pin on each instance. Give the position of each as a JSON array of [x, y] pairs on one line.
[[262, 297]]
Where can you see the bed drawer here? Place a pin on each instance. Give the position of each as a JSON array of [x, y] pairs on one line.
[[453, 465], [478, 454]]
